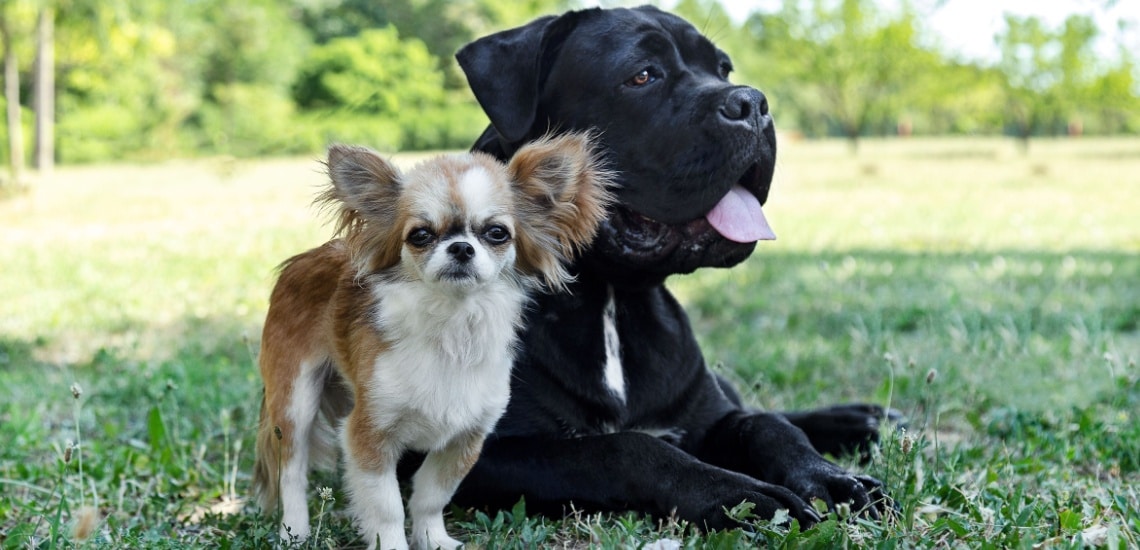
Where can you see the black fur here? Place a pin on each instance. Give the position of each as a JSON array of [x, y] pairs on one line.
[[680, 441]]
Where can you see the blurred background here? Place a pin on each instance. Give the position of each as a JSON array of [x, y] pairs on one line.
[[105, 80]]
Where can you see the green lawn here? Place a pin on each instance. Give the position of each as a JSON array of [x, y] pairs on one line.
[[992, 297]]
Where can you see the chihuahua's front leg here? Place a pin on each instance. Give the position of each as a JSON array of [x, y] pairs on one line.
[[433, 486], [371, 483]]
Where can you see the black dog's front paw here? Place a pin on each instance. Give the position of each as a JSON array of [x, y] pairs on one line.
[[844, 429], [835, 487], [721, 492], [768, 499], [779, 453]]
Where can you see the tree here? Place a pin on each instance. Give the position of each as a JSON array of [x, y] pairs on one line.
[[1047, 73], [442, 25], [251, 42], [1023, 64], [394, 84], [965, 98], [844, 64], [245, 55], [43, 97], [1076, 63], [12, 97], [114, 62], [12, 14], [496, 15], [1113, 99], [375, 72]]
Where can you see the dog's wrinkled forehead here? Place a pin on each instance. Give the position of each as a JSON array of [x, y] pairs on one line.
[[457, 191], [632, 36]]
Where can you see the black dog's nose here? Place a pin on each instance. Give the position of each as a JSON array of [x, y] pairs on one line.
[[461, 251], [743, 103]]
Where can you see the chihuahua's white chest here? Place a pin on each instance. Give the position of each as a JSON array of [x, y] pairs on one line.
[[447, 368]]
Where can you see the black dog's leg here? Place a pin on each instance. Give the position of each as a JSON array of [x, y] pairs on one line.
[[768, 447], [837, 430], [616, 472], [844, 429]]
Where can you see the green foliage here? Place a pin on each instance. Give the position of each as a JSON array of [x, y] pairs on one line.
[[374, 73], [964, 99], [442, 25], [1052, 80], [872, 62], [98, 132], [245, 55], [252, 42], [143, 79], [249, 120], [1115, 102], [117, 90], [1032, 78], [396, 84], [497, 15], [852, 68], [455, 126]]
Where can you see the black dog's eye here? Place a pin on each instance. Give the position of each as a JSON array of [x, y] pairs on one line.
[[497, 234], [420, 237], [647, 76], [725, 69]]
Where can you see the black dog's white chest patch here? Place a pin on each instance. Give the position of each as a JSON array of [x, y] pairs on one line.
[[613, 376]]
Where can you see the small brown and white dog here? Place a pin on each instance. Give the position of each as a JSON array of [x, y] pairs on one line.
[[400, 335]]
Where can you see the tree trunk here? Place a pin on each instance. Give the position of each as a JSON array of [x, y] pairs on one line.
[[1024, 131], [852, 132], [43, 100], [12, 95]]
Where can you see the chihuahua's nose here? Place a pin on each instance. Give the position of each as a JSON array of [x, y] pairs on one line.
[[462, 251]]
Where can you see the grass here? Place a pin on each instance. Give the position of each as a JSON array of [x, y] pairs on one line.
[[990, 297]]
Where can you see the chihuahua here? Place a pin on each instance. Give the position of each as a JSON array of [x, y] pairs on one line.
[[399, 335]]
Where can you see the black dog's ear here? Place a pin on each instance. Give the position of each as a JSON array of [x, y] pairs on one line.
[[505, 71]]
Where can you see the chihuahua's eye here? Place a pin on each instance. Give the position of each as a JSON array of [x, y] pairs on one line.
[[420, 237], [497, 234], [647, 75]]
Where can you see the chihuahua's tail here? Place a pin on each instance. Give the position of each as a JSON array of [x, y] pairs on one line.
[[304, 397]]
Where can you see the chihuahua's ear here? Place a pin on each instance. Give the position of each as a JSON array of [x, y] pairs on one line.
[[365, 193], [562, 193], [362, 181]]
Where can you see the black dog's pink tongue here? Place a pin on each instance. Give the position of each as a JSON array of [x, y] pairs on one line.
[[738, 217]]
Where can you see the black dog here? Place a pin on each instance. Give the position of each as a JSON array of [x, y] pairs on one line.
[[612, 406]]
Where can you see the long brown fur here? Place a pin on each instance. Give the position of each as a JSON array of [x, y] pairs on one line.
[[294, 328], [371, 247], [563, 221]]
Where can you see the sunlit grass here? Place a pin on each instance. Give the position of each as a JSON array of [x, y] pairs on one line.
[[990, 296], [957, 195]]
